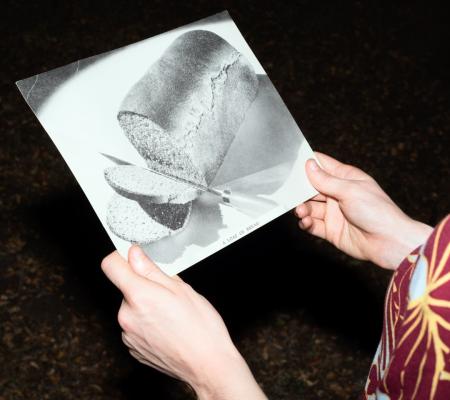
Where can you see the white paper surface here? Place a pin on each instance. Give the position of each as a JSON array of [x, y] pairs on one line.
[[80, 116]]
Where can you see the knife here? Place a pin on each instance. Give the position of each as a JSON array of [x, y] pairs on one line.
[[250, 205]]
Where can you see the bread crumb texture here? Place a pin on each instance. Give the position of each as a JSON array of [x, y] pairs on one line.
[[141, 184], [144, 222]]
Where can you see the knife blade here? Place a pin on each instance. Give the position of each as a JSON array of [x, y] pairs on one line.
[[251, 205]]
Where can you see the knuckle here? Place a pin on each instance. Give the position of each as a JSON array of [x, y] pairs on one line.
[[124, 320], [360, 172]]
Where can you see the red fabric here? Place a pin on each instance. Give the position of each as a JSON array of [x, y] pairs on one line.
[[413, 359]]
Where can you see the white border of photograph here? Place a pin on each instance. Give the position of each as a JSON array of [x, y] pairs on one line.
[[80, 117]]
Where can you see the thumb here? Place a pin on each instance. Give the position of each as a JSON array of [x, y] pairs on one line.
[[143, 266], [324, 182]]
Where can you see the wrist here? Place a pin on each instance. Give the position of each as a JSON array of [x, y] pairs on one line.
[[409, 235], [227, 377]]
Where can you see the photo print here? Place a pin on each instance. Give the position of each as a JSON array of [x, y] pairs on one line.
[[180, 142]]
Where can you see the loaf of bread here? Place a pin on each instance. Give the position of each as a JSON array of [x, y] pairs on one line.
[[144, 222], [183, 114], [143, 185], [181, 117]]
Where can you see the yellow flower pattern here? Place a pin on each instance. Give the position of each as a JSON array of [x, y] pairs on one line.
[[413, 358]]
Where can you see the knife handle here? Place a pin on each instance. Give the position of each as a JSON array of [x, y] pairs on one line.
[[251, 205]]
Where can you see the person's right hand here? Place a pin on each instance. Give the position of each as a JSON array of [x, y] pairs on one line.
[[353, 213]]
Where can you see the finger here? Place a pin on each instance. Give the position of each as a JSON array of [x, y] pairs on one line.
[[305, 223], [339, 169], [329, 164], [316, 209], [135, 354], [302, 210], [126, 340], [324, 182], [119, 272], [146, 268], [313, 226], [317, 228], [317, 197]]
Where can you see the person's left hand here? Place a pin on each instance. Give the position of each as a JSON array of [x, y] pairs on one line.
[[169, 326]]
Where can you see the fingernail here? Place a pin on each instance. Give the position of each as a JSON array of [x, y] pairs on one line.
[[313, 166]]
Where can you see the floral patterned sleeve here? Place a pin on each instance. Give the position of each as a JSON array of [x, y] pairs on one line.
[[413, 358]]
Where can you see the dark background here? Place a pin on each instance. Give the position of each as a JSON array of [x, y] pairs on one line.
[[368, 82]]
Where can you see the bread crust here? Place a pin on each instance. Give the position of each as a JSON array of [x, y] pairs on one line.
[[183, 114], [140, 184]]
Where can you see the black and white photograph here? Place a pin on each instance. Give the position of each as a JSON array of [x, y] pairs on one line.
[[180, 142], [167, 231]]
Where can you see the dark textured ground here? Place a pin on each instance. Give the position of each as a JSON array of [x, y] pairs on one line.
[[368, 82]]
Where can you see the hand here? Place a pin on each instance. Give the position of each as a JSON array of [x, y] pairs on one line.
[[170, 327], [353, 213]]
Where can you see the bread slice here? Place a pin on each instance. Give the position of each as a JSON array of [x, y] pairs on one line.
[[183, 114], [141, 184], [144, 222]]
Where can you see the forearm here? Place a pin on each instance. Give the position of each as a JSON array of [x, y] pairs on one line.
[[231, 380]]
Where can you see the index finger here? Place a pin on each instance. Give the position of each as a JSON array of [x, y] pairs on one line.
[[119, 272]]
